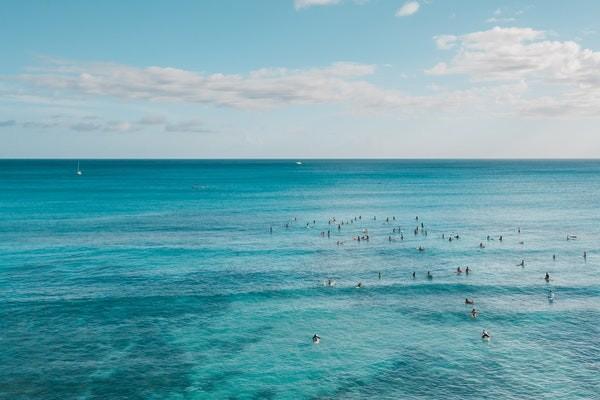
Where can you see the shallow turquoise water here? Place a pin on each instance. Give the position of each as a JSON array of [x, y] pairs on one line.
[[161, 280]]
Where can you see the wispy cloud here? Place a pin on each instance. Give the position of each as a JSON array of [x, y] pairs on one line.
[[445, 42], [191, 126], [299, 4], [408, 8], [7, 123], [342, 83], [86, 126], [497, 20], [500, 16], [94, 123], [263, 88], [152, 120]]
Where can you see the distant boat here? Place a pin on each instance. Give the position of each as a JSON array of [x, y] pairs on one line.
[[298, 162], [79, 171]]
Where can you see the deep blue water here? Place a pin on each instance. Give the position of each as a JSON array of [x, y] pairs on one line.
[[161, 280]]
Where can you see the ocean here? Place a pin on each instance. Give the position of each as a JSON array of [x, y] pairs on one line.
[[157, 279]]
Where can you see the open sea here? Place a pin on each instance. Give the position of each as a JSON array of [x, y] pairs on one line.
[[162, 280]]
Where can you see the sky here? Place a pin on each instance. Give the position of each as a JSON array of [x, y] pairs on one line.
[[299, 79]]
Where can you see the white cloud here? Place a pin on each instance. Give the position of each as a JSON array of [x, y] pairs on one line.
[[342, 83], [497, 20], [86, 126], [263, 88], [521, 66], [500, 16], [445, 42], [525, 54], [299, 4], [409, 8], [518, 53], [191, 126]]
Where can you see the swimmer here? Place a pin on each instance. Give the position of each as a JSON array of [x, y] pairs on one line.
[[414, 274], [481, 246], [380, 276], [316, 339], [467, 271], [553, 257], [429, 276]]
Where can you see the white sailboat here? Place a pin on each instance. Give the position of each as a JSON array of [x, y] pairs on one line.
[[79, 171]]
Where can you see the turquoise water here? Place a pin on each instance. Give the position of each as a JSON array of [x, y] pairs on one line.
[[161, 280]]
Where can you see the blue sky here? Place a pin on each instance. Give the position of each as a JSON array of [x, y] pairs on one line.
[[300, 78]]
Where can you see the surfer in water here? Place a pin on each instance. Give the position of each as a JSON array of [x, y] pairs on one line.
[[316, 339], [547, 277], [521, 264], [429, 276], [485, 335], [469, 301], [467, 270], [359, 285], [458, 271], [474, 313]]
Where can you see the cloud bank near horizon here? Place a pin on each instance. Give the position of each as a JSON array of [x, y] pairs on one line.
[[506, 68]]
